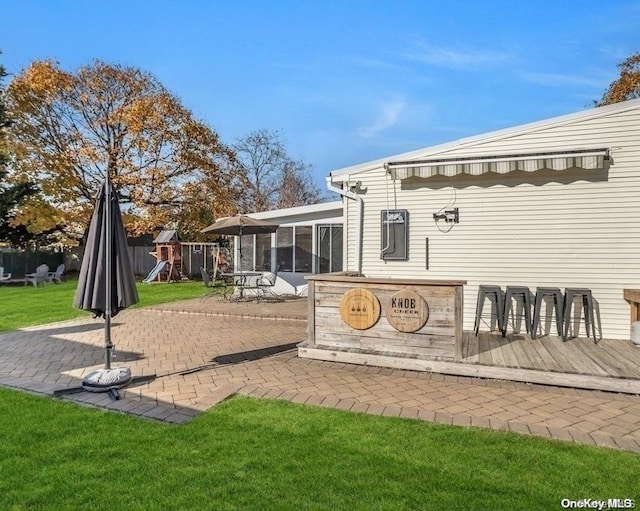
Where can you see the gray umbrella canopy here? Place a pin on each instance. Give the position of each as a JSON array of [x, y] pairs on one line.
[[106, 283]]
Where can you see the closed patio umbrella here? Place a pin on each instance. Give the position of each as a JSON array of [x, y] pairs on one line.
[[106, 283]]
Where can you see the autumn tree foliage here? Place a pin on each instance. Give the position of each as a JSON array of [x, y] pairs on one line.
[[4, 123], [627, 85], [275, 179], [12, 194], [71, 129]]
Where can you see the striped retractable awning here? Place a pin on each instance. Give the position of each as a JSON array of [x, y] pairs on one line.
[[587, 159]]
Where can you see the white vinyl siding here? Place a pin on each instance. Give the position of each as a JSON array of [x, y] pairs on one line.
[[555, 229]]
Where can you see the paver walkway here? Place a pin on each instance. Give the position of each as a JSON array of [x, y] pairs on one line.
[[202, 356]]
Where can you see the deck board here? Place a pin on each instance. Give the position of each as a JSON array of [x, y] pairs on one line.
[[520, 351], [608, 364], [582, 362], [536, 358], [580, 355], [615, 364], [626, 351], [484, 350], [548, 362], [504, 352], [470, 349], [559, 354]]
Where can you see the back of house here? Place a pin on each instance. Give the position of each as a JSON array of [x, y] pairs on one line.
[[554, 203]]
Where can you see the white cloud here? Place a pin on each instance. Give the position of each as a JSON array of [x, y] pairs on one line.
[[463, 58], [388, 117], [565, 80]]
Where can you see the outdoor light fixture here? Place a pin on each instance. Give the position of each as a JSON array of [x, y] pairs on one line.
[[355, 186], [448, 215]]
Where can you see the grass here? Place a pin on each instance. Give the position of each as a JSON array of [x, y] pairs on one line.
[[261, 454], [22, 306]]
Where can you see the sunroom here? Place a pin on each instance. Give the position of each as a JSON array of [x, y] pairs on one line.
[[309, 240]]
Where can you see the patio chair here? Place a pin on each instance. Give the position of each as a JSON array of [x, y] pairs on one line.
[[41, 276], [266, 283], [212, 280], [205, 278], [214, 283], [4, 276], [56, 276]]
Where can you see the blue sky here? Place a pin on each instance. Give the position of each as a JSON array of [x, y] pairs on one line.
[[345, 81]]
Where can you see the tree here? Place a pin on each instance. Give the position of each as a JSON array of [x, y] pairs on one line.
[[275, 179], [73, 129], [297, 187], [11, 194], [4, 124], [627, 85]]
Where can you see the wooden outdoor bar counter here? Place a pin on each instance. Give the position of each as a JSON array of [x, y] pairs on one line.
[[632, 296], [381, 321]]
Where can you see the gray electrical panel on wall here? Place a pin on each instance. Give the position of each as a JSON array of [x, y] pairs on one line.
[[394, 234]]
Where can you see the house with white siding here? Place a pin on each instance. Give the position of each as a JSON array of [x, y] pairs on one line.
[[554, 203]]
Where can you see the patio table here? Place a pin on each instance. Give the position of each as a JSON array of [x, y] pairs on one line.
[[240, 280]]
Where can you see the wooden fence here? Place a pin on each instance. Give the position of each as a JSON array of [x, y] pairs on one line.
[[141, 259], [194, 256], [19, 262]]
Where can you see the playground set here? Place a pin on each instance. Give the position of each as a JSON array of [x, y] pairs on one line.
[[177, 260]]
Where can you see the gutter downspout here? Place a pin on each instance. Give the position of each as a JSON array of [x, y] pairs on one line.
[[353, 196]]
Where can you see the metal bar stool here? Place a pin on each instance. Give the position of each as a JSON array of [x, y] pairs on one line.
[[558, 303], [515, 292], [589, 311], [494, 294]]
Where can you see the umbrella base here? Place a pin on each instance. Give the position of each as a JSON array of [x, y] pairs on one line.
[[105, 380]]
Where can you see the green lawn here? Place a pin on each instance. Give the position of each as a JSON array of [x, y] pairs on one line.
[[22, 306], [261, 454]]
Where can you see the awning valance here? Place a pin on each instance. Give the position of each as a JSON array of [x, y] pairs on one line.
[[588, 159]]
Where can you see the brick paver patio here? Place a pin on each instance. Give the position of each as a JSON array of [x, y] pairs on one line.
[[203, 352]]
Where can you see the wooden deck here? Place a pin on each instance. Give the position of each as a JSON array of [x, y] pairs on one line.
[[610, 365], [581, 355], [606, 365]]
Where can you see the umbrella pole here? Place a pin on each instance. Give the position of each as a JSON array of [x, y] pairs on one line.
[[108, 346], [240, 268], [107, 341]]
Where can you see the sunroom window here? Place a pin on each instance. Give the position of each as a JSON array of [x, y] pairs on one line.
[[329, 248], [263, 252]]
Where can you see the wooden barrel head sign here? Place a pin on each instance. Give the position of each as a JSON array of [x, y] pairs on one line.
[[359, 308], [407, 311]]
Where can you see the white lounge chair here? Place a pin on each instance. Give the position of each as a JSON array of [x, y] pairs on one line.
[[41, 276], [4, 276], [56, 276]]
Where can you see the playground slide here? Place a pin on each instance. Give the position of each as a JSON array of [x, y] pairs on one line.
[[154, 273]]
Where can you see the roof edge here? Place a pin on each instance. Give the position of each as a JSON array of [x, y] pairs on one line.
[[298, 210], [530, 127]]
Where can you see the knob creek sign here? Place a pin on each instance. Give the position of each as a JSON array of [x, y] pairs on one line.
[[407, 311]]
